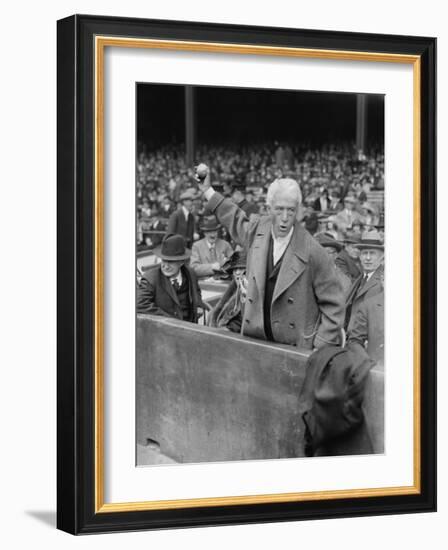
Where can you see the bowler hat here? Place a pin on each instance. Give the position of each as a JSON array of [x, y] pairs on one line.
[[370, 240], [209, 224], [173, 248]]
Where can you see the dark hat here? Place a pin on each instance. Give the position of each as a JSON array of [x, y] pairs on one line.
[[352, 239], [173, 248], [370, 240], [326, 239], [238, 186], [209, 224], [237, 260]]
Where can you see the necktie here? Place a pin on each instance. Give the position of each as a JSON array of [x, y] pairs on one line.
[[175, 284], [213, 254]]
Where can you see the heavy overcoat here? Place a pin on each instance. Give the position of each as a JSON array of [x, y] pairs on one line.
[[201, 261], [156, 295], [307, 308], [357, 296], [368, 327]]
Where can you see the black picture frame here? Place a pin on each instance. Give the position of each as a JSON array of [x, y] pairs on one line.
[[76, 404]]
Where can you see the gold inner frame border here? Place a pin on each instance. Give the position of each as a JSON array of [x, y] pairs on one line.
[[101, 42]]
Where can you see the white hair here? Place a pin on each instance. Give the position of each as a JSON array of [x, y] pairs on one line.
[[284, 185]]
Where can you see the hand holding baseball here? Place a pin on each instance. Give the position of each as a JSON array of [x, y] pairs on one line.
[[203, 177]]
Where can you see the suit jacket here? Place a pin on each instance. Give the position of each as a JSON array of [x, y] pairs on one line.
[[357, 296], [201, 262], [307, 308], [156, 295], [317, 205], [348, 265], [368, 327], [179, 225]]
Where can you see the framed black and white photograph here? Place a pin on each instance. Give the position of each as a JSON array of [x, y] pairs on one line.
[[246, 330]]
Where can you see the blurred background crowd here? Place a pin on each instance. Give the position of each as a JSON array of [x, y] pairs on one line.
[[342, 187]]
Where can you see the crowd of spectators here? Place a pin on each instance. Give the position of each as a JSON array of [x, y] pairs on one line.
[[328, 176]]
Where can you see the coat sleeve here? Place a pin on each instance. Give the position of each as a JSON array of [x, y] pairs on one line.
[[146, 299], [359, 331], [232, 218], [201, 269], [197, 294], [329, 297]]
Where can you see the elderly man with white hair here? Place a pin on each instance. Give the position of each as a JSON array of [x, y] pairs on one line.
[[294, 295]]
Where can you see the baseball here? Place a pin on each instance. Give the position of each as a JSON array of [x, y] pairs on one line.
[[202, 170]]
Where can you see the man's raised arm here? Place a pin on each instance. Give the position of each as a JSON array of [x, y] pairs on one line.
[[227, 212]]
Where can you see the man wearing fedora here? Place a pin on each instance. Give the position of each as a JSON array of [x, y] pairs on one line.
[[348, 258], [182, 221], [370, 283], [210, 253], [293, 295], [171, 289]]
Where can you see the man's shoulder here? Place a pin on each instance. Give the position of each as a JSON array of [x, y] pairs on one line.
[[152, 275], [189, 272], [197, 245], [174, 215], [223, 243]]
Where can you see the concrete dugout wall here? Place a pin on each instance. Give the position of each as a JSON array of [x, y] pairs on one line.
[[205, 394]]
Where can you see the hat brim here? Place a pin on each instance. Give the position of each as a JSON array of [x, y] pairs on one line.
[[236, 266], [208, 229], [185, 256], [336, 245], [364, 246]]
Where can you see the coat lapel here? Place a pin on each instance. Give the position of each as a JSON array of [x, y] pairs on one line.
[[259, 255], [168, 288], [293, 263], [374, 280]]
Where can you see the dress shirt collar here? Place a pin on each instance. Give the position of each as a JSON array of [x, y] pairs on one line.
[[281, 240], [177, 278], [280, 244]]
